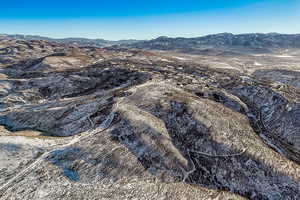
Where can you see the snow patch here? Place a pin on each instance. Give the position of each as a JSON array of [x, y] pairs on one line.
[[283, 56], [179, 58], [257, 64], [165, 60]]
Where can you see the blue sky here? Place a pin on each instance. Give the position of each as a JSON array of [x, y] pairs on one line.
[[116, 19]]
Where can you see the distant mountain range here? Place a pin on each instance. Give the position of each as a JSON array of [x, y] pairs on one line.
[[253, 42], [76, 41], [210, 44]]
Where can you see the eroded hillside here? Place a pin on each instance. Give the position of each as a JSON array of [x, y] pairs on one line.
[[92, 123]]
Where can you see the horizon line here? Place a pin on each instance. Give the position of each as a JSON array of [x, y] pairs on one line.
[[200, 35]]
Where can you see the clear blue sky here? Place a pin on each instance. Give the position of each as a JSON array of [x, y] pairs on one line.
[[146, 19]]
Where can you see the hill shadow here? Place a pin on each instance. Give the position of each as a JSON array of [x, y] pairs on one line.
[[211, 164]]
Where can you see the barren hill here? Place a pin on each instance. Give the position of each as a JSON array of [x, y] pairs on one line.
[[120, 123]]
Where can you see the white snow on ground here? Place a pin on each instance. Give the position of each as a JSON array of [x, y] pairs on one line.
[[165, 60], [259, 55], [283, 56], [257, 64], [98, 61], [21, 140], [180, 58], [221, 65]]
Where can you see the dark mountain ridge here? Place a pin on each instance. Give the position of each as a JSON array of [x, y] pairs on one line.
[[252, 42], [72, 40], [258, 42]]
